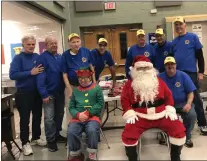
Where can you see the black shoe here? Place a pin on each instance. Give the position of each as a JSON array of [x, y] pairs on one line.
[[52, 147], [203, 130], [189, 144], [61, 139]]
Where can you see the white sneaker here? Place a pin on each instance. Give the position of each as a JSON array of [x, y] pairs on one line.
[[27, 149], [39, 142]]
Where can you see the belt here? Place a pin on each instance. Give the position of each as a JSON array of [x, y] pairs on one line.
[[149, 105]]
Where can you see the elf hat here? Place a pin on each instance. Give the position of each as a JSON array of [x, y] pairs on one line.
[[141, 61], [84, 72]]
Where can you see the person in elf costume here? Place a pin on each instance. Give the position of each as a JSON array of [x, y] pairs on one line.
[[147, 103], [85, 107]]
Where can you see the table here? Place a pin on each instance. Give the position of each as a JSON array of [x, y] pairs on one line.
[[107, 100], [7, 106], [204, 97]]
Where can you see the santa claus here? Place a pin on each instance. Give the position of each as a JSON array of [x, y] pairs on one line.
[[147, 103]]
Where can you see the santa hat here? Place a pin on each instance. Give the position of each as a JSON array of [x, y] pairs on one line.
[[84, 72], [141, 61]]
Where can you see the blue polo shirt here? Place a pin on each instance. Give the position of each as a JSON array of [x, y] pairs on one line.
[[161, 52], [184, 48], [71, 63], [20, 71], [101, 60], [50, 82], [135, 50], [180, 85]]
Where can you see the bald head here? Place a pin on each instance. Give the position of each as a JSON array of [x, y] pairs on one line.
[[51, 44]]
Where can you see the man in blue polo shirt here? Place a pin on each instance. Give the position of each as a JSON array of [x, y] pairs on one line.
[[51, 87], [103, 57], [182, 89], [75, 58], [162, 50], [141, 48], [23, 70], [187, 51]]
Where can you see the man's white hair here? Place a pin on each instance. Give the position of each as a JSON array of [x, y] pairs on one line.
[[25, 38]]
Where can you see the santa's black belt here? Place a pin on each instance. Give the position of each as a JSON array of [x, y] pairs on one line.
[[149, 104]]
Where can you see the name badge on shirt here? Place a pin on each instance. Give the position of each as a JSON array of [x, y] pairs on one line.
[[187, 41], [147, 54], [34, 62], [105, 62], [84, 59], [177, 84]]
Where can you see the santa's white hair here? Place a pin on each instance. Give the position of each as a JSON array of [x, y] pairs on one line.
[[145, 84]]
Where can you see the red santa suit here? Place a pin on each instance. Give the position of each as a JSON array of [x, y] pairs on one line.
[[159, 114]]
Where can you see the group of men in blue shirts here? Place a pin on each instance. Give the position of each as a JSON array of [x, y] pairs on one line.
[[187, 51], [41, 81]]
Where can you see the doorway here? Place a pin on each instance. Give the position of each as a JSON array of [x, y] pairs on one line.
[[119, 37]]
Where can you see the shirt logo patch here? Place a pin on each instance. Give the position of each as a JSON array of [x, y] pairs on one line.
[[34, 62], [84, 59], [187, 41], [105, 62], [147, 54], [177, 84], [165, 53]]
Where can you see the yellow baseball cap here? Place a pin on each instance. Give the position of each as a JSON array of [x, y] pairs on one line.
[[179, 19], [159, 31], [169, 59], [72, 35], [140, 32], [102, 40]]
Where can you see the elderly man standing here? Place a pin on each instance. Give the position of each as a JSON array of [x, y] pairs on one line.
[[51, 88], [187, 50], [182, 89], [103, 57], [141, 48], [23, 70], [73, 59], [162, 50]]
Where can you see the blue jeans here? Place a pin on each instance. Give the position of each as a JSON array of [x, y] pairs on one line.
[[189, 118], [53, 117], [75, 130], [197, 100]]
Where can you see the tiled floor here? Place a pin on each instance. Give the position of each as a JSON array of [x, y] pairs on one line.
[[151, 150]]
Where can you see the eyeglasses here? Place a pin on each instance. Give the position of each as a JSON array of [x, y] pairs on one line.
[[83, 78], [104, 45]]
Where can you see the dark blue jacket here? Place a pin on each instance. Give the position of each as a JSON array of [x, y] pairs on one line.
[[20, 71], [50, 82]]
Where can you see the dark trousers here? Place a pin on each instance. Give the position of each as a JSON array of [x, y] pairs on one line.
[[26, 103], [53, 117], [197, 100]]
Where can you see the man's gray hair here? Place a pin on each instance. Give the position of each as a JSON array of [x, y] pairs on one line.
[[48, 39], [25, 38]]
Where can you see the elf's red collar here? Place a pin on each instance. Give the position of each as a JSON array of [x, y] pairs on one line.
[[93, 85]]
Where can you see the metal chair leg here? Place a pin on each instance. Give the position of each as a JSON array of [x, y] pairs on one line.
[[17, 145], [139, 149], [104, 137]]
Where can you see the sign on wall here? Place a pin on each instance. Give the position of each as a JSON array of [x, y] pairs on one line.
[[151, 38], [41, 47], [2, 55], [197, 29], [16, 49], [109, 5]]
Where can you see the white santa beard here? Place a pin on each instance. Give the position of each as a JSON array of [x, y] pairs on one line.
[[145, 84]]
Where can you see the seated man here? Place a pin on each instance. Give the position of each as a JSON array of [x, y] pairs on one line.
[[85, 107], [148, 103], [182, 88]]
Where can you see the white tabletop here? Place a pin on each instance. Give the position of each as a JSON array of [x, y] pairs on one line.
[[203, 94], [109, 99]]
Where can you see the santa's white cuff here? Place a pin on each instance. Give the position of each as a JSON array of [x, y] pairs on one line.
[[129, 114]]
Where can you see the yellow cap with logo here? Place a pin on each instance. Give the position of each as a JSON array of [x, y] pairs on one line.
[[179, 19], [169, 59], [140, 32], [159, 31], [102, 40], [72, 35]]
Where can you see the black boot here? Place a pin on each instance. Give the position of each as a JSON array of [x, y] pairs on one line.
[[175, 152], [131, 152]]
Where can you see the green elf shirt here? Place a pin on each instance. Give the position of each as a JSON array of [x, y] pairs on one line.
[[89, 98]]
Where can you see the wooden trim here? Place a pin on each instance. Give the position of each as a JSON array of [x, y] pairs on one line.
[[189, 18]]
